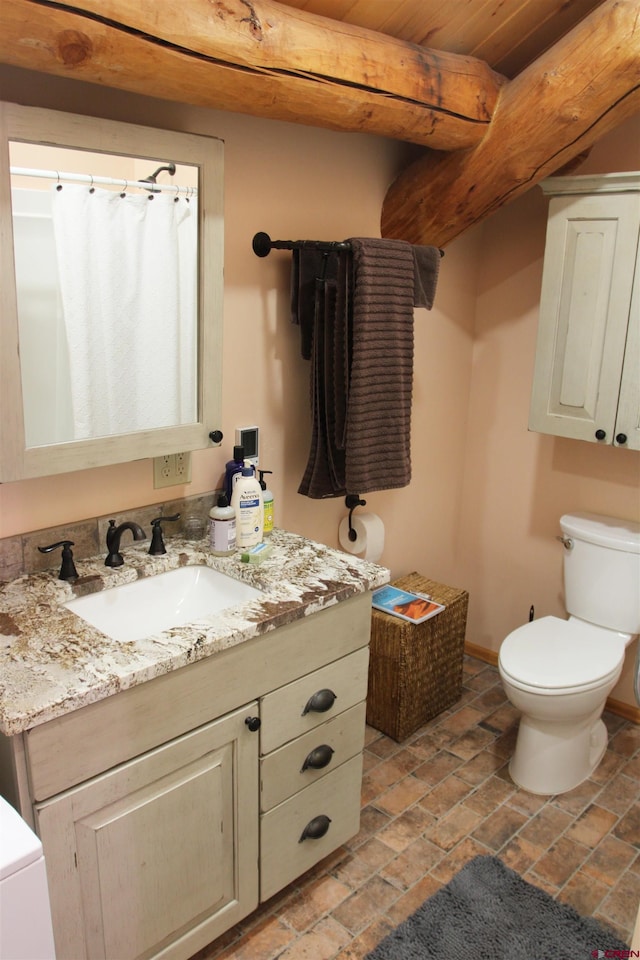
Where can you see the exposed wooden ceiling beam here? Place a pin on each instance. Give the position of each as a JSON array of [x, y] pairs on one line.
[[258, 57], [584, 86]]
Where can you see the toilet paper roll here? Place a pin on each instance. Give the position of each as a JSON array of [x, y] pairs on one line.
[[369, 539]]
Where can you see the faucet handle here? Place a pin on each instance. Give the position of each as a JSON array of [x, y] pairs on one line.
[[157, 543], [68, 568]]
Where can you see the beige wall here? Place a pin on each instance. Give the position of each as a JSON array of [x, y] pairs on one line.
[[517, 484], [293, 182], [482, 508]]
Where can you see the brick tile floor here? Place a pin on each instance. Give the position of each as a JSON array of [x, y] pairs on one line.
[[434, 802]]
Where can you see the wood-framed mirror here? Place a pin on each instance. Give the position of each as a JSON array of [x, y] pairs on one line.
[[111, 258]]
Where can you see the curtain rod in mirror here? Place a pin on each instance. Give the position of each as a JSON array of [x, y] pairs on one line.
[[147, 184]]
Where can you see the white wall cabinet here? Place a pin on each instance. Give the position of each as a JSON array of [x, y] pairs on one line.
[[587, 371], [167, 812]]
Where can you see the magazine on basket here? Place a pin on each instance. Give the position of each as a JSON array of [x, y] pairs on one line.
[[414, 607]]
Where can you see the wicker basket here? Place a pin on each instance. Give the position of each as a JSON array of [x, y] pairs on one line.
[[415, 670]]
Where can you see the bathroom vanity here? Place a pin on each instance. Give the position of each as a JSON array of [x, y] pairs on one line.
[[178, 781]]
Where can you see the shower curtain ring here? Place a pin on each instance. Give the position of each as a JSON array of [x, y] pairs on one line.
[[59, 186], [92, 189]]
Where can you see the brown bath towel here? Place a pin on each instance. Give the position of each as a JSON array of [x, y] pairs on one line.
[[378, 449], [357, 329]]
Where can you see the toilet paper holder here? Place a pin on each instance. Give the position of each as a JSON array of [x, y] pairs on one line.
[[353, 500]]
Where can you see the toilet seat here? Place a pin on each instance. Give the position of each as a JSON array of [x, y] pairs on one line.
[[557, 656]]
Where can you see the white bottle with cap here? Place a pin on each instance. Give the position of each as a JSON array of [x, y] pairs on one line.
[[247, 502], [222, 528]]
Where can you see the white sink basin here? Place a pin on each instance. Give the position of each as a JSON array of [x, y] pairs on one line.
[[153, 604]]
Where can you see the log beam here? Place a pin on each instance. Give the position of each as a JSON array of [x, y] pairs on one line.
[[261, 58], [580, 89]]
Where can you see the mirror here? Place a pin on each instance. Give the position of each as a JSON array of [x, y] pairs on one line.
[[105, 231]]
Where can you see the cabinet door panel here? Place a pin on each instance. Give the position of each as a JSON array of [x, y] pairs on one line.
[[139, 859], [157, 847], [584, 308]]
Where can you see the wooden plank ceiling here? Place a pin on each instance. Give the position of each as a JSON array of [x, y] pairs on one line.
[[499, 93], [506, 34]]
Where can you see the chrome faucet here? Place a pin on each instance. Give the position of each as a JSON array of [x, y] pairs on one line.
[[114, 557]]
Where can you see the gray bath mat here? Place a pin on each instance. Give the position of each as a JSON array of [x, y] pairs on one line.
[[488, 912]]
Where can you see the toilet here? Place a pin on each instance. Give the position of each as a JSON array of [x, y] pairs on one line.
[[558, 673]]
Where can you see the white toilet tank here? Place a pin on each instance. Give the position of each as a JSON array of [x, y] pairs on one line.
[[602, 570]]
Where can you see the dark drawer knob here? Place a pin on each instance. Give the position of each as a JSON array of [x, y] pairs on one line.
[[601, 434], [254, 723], [320, 702], [318, 758], [621, 438], [316, 828]]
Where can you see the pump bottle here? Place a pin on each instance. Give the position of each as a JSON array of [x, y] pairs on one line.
[[267, 499], [222, 529], [247, 502], [232, 470]]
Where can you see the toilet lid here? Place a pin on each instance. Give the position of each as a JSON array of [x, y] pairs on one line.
[[554, 653]]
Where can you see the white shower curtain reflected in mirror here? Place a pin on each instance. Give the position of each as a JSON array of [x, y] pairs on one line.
[[128, 283]]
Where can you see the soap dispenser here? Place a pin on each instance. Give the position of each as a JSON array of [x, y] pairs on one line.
[[267, 501], [247, 502], [222, 528]]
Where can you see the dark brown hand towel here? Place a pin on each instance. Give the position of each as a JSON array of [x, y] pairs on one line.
[[324, 473]]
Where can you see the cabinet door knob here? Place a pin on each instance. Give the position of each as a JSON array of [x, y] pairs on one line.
[[316, 828], [254, 723], [320, 702], [621, 438], [318, 758], [601, 434]]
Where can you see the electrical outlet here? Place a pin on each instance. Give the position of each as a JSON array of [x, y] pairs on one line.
[[171, 470], [183, 467]]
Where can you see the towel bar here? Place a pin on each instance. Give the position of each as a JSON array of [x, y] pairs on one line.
[[263, 245]]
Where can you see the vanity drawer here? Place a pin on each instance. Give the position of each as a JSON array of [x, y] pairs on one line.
[[283, 854], [286, 771], [286, 713]]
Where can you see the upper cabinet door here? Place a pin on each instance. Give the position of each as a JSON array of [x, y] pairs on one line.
[[627, 433], [589, 266]]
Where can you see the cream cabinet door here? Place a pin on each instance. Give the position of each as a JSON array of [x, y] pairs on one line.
[[589, 266], [158, 856], [627, 432]]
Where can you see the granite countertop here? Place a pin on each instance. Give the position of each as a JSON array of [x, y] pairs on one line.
[[52, 662]]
